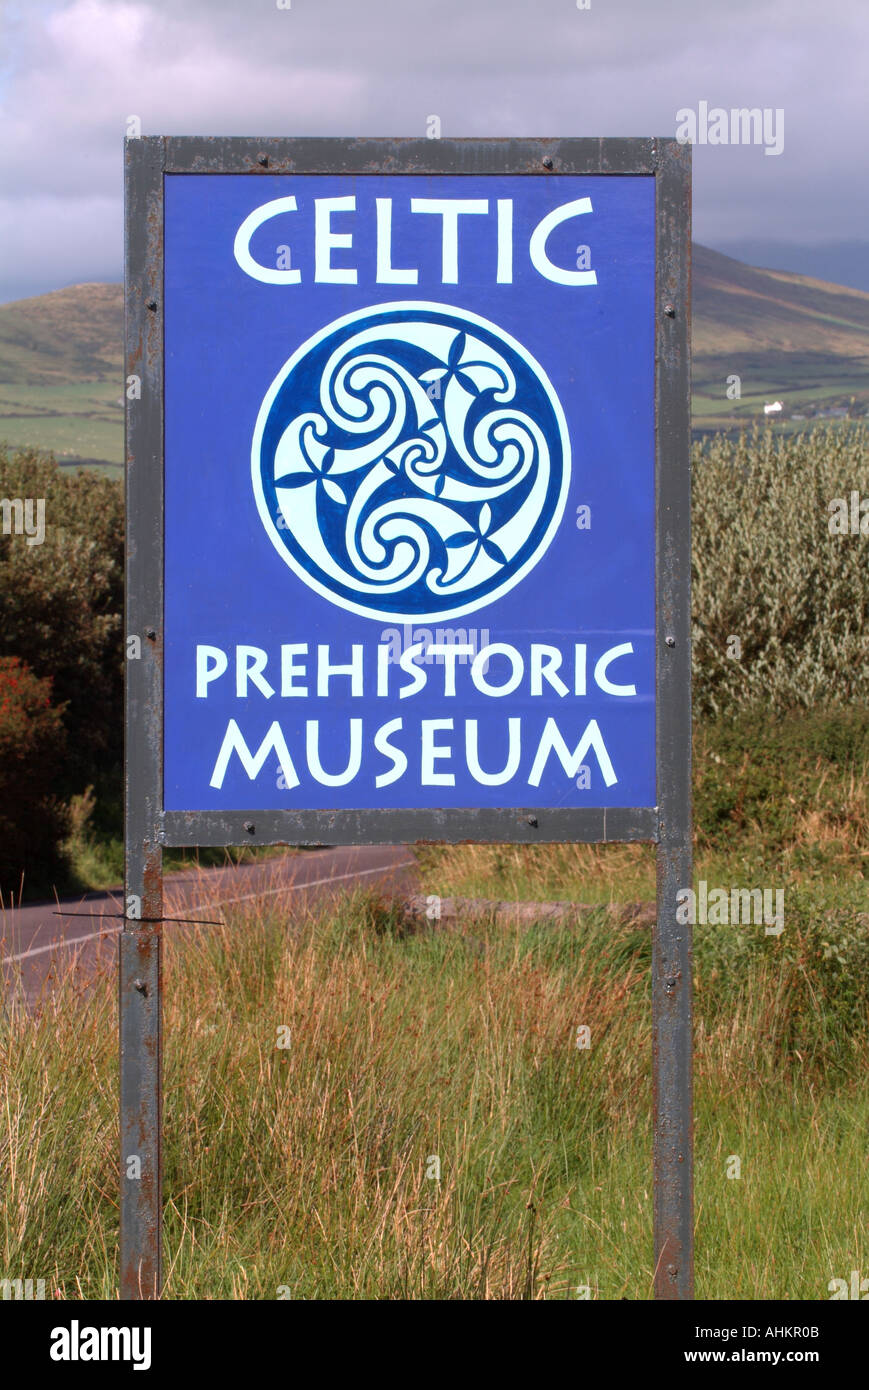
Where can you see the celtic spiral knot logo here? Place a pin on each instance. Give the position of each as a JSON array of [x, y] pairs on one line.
[[411, 459]]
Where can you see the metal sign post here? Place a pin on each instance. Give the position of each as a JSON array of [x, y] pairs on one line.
[[141, 941], [673, 1101], [408, 546]]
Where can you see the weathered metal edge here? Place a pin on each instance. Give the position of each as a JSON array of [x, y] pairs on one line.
[[376, 827], [193, 154]]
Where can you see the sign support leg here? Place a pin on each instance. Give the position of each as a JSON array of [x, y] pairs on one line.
[[140, 1010], [672, 1082]]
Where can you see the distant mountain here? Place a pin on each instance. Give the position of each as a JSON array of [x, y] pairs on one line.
[[785, 336], [737, 307], [837, 262]]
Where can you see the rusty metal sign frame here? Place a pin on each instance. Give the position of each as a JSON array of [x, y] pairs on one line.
[[148, 828]]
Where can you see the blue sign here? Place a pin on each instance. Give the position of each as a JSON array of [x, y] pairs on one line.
[[409, 491]]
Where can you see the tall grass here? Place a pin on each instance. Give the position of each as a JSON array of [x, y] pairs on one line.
[[308, 1171]]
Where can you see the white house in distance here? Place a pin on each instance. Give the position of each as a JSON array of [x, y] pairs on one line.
[[772, 407]]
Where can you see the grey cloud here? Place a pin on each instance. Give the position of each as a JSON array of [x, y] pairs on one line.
[[77, 69]]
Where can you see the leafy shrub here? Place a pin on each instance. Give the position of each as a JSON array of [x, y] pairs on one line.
[[791, 785], [32, 818], [61, 610], [806, 992]]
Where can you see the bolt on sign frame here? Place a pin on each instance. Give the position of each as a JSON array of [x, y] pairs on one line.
[[149, 826]]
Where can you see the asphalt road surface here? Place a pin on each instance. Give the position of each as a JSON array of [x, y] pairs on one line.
[[40, 941]]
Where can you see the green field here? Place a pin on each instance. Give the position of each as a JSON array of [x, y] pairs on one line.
[[76, 420], [804, 386]]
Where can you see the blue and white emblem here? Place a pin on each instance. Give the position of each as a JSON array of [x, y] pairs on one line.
[[411, 460]]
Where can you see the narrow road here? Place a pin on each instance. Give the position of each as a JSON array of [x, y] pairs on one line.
[[40, 940]]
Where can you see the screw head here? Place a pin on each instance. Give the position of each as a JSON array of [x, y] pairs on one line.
[[670, 641], [263, 159], [152, 305], [249, 827], [531, 820], [151, 633], [670, 310], [547, 163]]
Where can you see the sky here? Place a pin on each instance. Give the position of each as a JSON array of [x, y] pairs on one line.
[[72, 73]]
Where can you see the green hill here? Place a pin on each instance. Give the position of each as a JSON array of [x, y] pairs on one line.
[[785, 336]]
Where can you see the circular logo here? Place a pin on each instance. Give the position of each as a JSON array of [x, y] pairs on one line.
[[411, 460]]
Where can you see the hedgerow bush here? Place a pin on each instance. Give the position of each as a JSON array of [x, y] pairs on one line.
[[33, 819], [779, 603]]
